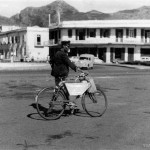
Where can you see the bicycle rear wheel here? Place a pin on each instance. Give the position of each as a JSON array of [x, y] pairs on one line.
[[95, 104], [48, 106]]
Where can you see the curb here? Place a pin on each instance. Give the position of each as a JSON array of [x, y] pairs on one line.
[[129, 66], [24, 66]]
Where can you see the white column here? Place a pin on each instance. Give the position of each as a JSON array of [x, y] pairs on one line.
[[137, 53], [138, 37], [113, 36], [108, 55], [124, 33], [97, 52], [126, 54], [73, 34], [97, 33]]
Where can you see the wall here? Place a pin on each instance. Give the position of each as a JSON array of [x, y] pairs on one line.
[[38, 52]]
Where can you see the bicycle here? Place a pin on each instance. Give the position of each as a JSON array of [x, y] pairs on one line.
[[51, 104]]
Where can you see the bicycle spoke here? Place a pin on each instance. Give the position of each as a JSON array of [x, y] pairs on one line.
[[48, 106], [95, 104]]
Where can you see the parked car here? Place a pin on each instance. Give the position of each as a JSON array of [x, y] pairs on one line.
[[145, 58], [74, 59], [118, 61], [28, 59], [86, 61], [98, 61]]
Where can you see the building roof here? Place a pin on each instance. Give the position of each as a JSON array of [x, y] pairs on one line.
[[33, 28], [104, 24]]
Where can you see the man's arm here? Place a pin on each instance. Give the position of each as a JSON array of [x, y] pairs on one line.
[[68, 62]]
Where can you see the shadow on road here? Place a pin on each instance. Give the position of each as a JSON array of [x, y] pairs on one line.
[[67, 113]]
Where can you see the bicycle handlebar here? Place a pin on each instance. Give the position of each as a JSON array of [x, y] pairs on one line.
[[82, 74]]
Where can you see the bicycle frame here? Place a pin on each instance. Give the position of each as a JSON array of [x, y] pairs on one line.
[[53, 108], [62, 87]]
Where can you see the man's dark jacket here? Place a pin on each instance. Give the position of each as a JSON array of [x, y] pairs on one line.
[[60, 64]]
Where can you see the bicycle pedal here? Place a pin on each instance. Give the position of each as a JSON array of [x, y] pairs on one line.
[[72, 111]]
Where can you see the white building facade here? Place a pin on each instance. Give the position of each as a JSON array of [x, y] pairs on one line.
[[25, 42], [126, 40], [4, 28]]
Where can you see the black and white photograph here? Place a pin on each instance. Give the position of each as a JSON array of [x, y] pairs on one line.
[[74, 75]]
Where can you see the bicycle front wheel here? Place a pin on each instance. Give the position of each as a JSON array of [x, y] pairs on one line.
[[95, 104], [48, 106]]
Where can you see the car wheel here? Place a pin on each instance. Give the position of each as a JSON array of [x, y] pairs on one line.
[[88, 67]]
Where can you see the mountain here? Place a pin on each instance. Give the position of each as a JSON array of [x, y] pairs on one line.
[[6, 21], [31, 16], [139, 13], [39, 16], [96, 15]]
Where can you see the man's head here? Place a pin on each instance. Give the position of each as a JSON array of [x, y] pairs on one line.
[[65, 46]]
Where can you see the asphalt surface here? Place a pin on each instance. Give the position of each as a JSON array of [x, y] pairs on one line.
[[124, 126]]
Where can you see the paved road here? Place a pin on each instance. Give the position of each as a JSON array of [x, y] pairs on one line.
[[125, 125]]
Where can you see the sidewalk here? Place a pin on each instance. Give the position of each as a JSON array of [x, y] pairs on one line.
[[24, 66], [46, 66], [129, 66]]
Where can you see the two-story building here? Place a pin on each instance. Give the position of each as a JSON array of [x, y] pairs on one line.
[[25, 42], [126, 40]]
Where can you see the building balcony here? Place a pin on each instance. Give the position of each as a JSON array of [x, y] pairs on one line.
[[52, 42], [113, 40]]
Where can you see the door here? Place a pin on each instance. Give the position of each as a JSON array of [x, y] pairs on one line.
[[130, 54], [112, 54]]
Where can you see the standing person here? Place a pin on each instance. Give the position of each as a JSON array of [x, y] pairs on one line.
[[60, 63]]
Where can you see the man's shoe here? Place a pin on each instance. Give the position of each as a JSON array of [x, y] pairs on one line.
[[72, 105]]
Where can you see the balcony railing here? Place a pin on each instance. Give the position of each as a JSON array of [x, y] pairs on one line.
[[102, 41], [52, 42]]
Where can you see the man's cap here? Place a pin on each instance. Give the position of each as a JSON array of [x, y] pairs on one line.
[[65, 43]]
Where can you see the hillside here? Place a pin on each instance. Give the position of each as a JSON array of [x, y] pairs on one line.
[[139, 13], [39, 16], [31, 16], [6, 21]]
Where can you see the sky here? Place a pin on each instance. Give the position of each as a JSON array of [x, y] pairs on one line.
[[9, 8]]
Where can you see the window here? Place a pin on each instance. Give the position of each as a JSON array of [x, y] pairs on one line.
[[69, 33], [119, 33], [12, 39], [16, 39], [147, 33], [80, 34], [23, 39], [131, 33], [105, 33], [91, 32], [38, 39], [59, 32]]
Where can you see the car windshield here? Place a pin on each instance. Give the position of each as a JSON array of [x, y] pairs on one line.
[[83, 58]]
